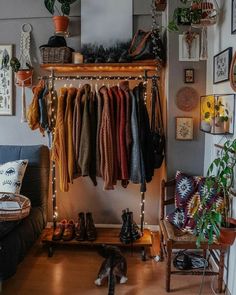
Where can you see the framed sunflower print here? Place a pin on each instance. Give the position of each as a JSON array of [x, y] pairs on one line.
[[184, 128], [6, 77]]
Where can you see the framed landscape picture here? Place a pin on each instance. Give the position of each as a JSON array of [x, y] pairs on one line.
[[221, 69], [6, 77], [184, 128]]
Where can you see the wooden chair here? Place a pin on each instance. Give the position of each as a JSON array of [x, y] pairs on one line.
[[172, 238]]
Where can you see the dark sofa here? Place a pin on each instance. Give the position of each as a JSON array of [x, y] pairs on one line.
[[22, 235]]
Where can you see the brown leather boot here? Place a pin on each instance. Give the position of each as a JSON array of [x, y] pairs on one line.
[[69, 232], [90, 227], [59, 230], [80, 230]]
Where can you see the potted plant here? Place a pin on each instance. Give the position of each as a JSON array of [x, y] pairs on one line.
[[196, 13], [61, 21], [23, 75], [215, 221]]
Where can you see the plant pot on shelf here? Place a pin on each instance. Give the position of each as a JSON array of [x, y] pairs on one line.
[[160, 5], [228, 234], [24, 78], [61, 24]]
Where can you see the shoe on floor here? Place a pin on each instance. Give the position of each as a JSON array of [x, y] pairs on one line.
[[59, 230]]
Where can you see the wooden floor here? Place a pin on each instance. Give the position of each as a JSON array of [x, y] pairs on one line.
[[72, 271]]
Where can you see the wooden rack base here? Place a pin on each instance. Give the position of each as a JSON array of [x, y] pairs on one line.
[[108, 236]]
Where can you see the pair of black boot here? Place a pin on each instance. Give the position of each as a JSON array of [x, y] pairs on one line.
[[130, 231], [85, 229]]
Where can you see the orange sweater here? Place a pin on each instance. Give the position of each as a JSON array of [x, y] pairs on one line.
[[59, 143]]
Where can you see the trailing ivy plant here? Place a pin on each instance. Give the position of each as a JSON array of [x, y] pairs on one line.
[[220, 176], [64, 6]]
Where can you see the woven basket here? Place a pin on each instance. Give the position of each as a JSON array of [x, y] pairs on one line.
[[57, 55], [13, 207]]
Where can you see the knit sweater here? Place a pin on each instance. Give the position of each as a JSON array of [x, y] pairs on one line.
[[59, 142]]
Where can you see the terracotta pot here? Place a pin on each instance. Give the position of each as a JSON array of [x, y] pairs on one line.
[[160, 5], [61, 23], [24, 76], [228, 234]]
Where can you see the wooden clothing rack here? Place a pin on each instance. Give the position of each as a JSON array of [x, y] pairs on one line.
[[71, 72]]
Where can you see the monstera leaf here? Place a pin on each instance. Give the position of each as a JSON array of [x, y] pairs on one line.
[[49, 4]]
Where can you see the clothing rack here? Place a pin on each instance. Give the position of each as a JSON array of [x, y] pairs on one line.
[[60, 76]]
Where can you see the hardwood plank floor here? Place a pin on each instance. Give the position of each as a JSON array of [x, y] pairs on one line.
[[72, 271]]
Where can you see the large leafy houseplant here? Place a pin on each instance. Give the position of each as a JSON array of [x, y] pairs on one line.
[[211, 220], [62, 8]]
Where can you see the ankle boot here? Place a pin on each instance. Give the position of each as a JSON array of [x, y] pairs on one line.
[[90, 227], [125, 234], [135, 231], [80, 231]]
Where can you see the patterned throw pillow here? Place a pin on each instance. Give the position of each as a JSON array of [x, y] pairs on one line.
[[177, 218], [11, 176], [184, 189]]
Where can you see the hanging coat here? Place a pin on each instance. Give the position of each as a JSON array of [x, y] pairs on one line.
[[106, 143], [77, 126], [93, 132], [85, 139], [59, 142], [71, 94], [99, 120]]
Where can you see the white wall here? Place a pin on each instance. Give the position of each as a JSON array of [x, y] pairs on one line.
[[220, 38]]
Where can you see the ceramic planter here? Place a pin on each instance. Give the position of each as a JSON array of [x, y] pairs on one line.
[[61, 24], [24, 78], [228, 234]]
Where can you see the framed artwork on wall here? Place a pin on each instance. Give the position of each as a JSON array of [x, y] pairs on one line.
[[189, 52], [6, 80], [188, 75], [233, 17], [184, 128], [221, 66]]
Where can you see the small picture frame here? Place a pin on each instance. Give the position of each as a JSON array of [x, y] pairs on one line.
[[233, 17], [188, 75], [184, 128], [221, 66], [189, 55]]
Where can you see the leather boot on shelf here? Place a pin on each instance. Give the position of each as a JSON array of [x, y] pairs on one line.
[[69, 232], [80, 230], [90, 227], [59, 230], [135, 231], [125, 233]]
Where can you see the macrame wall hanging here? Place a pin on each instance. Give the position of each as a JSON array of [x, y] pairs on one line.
[[25, 73]]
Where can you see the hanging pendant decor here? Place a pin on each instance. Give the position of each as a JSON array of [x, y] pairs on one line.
[[25, 72], [208, 14]]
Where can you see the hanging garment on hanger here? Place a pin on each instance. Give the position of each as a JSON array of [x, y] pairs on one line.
[[136, 159], [115, 92], [123, 151], [106, 143], [33, 113], [59, 142], [68, 121], [51, 101], [85, 140], [112, 102], [99, 120], [93, 132], [124, 85], [77, 126], [145, 134]]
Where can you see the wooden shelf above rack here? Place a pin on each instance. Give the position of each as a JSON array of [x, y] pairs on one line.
[[135, 67]]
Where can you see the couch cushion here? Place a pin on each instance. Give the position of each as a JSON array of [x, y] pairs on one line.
[[11, 176], [178, 218]]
